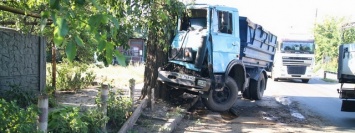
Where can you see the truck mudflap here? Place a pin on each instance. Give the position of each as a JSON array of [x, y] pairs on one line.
[[185, 81], [348, 96]]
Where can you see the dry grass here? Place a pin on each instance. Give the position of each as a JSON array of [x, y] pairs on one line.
[[119, 76]]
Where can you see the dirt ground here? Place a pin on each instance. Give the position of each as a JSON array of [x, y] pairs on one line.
[[270, 115]]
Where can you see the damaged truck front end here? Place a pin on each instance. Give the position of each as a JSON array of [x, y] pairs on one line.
[[186, 68]]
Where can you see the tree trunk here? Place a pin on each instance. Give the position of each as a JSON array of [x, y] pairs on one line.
[[155, 58]]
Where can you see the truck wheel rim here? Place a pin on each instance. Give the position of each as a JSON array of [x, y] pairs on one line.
[[221, 96]]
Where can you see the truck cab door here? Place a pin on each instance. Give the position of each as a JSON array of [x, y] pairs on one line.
[[225, 37]]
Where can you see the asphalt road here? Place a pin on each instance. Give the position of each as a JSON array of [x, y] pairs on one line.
[[316, 97]]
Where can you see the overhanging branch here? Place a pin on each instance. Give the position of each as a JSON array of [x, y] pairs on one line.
[[26, 23], [18, 11]]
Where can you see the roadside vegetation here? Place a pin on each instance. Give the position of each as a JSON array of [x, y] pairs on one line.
[[329, 35]]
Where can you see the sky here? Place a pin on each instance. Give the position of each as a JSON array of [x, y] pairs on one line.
[[286, 17]]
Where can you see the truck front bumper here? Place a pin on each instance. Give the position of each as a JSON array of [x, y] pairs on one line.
[[292, 76], [184, 81]]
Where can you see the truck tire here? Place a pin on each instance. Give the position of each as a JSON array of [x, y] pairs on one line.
[[305, 80], [257, 87], [246, 94], [222, 100]]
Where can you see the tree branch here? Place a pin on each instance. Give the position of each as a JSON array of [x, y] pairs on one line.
[[26, 23], [18, 11]]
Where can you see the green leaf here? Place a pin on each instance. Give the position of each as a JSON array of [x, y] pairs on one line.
[[58, 40], [70, 50], [54, 17], [120, 58], [80, 2], [115, 22], [43, 24], [63, 27], [54, 4], [109, 51], [102, 45], [79, 41]]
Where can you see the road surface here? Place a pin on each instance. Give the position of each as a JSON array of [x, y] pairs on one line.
[[317, 97]]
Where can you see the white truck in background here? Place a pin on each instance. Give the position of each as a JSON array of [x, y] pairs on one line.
[[294, 59]]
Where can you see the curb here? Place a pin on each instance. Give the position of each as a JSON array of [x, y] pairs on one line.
[[169, 126], [132, 120]]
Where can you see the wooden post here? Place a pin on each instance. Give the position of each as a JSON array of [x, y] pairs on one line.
[[325, 75], [43, 114], [54, 67], [104, 98], [132, 85]]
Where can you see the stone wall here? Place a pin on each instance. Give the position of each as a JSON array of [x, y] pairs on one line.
[[22, 61]]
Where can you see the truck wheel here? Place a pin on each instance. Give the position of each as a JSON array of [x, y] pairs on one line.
[[305, 80], [246, 94], [222, 100], [257, 87]]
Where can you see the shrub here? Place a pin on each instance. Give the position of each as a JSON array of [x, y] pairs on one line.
[[22, 97], [95, 119], [118, 109], [71, 76], [13, 118], [66, 120]]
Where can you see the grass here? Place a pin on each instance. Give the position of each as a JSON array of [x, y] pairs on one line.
[[119, 75]]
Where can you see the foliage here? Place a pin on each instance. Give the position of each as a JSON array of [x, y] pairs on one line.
[[14, 119], [77, 25], [22, 96], [161, 19], [71, 76], [118, 109], [329, 35], [66, 120], [95, 119], [348, 35]]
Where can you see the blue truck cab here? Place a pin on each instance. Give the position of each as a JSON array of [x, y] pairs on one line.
[[215, 54]]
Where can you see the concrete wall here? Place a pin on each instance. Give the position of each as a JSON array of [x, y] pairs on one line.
[[22, 61]]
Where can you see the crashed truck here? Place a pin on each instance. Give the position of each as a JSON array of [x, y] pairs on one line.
[[216, 54]]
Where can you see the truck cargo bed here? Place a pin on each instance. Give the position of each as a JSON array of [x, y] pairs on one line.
[[257, 44]]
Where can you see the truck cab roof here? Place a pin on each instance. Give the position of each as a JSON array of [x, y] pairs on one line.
[[204, 6]]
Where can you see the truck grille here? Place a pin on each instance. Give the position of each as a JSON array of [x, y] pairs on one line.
[[304, 61], [296, 69]]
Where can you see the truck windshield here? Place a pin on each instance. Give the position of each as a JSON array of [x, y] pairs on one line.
[[194, 19], [297, 47]]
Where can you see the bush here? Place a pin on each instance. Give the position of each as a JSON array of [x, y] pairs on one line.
[[118, 109], [22, 97], [66, 120], [95, 119], [13, 118], [71, 76]]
